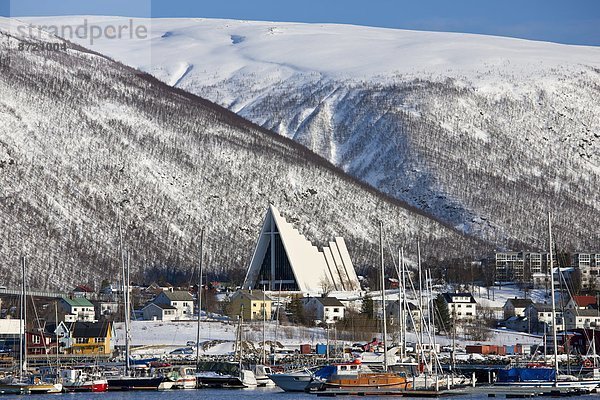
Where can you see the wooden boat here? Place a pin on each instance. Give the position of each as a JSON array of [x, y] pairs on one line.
[[354, 375]]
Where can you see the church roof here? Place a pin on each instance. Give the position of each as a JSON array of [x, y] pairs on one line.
[[298, 260]]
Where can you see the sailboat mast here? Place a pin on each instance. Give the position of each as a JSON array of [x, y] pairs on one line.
[[553, 302], [264, 340], [199, 293], [400, 304], [23, 324], [385, 360], [404, 304], [127, 315]]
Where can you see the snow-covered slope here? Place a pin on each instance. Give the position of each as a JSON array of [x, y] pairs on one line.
[[86, 142], [486, 133]]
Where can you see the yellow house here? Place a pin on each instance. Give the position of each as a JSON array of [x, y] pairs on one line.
[[90, 338], [252, 302]]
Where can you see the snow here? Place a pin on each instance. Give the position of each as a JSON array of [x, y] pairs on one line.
[[207, 51]]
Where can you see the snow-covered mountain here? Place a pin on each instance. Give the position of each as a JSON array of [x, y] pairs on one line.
[[87, 145], [485, 133]]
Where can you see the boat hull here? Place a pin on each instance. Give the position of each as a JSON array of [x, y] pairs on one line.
[[126, 383], [292, 382]]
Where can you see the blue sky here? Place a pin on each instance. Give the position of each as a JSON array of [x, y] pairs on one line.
[[563, 21]]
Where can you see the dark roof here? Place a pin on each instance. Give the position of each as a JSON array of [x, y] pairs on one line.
[[448, 297], [330, 301], [251, 295], [542, 306], [520, 303], [586, 313], [162, 306], [89, 329], [179, 295]]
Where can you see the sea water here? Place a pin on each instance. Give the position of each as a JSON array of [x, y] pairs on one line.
[[218, 394]]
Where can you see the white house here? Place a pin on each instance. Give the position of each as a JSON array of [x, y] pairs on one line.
[[515, 307], [182, 301], [159, 312], [461, 306], [578, 319], [78, 309], [325, 309]]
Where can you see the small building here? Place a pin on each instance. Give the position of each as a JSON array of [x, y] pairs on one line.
[[159, 312], [582, 303], [42, 342], [106, 309], [83, 291], [253, 303], [461, 306], [394, 308], [515, 307], [325, 309], [582, 319], [90, 338], [182, 301], [540, 315], [78, 309]]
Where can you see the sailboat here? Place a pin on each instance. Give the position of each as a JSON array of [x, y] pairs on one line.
[[24, 384], [544, 380], [139, 378]]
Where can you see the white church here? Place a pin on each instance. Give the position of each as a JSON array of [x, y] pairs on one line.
[[284, 260]]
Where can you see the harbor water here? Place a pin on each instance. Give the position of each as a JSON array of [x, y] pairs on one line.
[[221, 394]]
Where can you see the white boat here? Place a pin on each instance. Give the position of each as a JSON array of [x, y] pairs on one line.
[[296, 381], [261, 373], [78, 380]]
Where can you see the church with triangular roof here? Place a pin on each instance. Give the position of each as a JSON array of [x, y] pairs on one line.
[[285, 260]]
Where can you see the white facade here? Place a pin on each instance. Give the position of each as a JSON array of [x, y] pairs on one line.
[[183, 302], [580, 319], [461, 306], [326, 309], [285, 259], [159, 312], [78, 309]]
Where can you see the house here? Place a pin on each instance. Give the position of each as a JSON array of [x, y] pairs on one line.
[[413, 320], [83, 291], [159, 312], [253, 303], [42, 342], [540, 315], [517, 323], [582, 318], [324, 309], [515, 307], [90, 338], [582, 303], [461, 306], [77, 309], [155, 288], [182, 301], [106, 309]]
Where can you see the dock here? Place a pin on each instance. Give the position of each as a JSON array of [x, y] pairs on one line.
[[390, 392]]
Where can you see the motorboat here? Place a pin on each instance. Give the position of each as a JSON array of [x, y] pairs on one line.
[[261, 373], [219, 374], [296, 381], [79, 380]]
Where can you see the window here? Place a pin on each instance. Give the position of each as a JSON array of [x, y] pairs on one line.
[[253, 304], [99, 340], [80, 340], [336, 309], [35, 340]]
